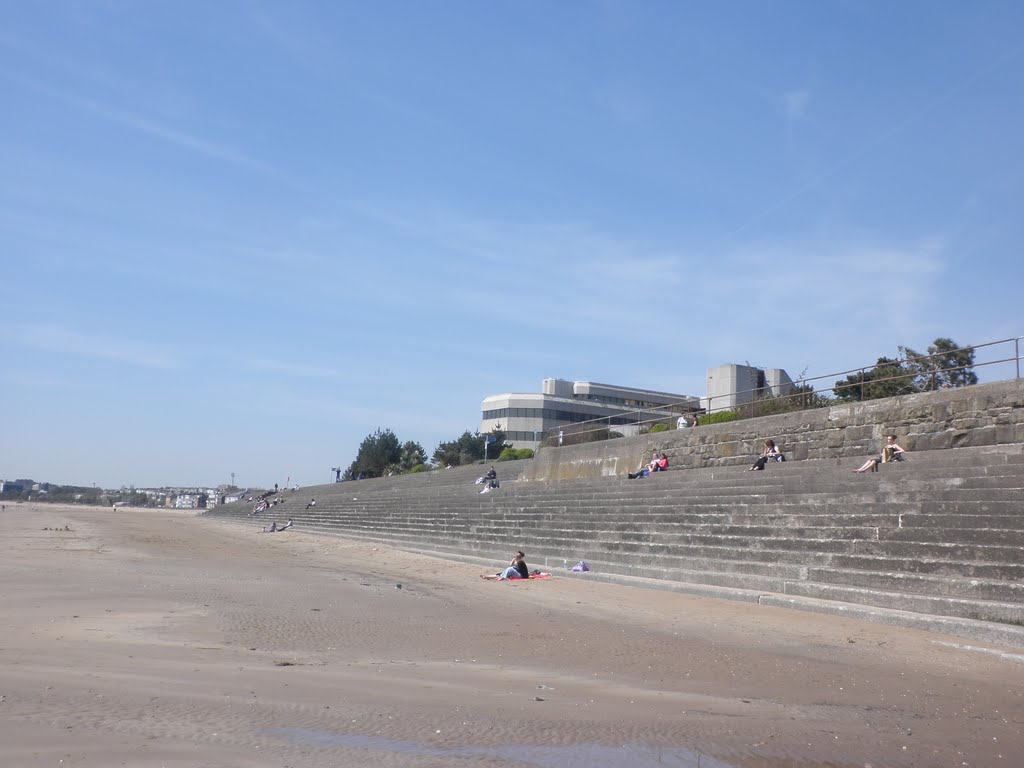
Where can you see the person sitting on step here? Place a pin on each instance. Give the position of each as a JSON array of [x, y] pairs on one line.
[[490, 480], [771, 452], [890, 452], [646, 470]]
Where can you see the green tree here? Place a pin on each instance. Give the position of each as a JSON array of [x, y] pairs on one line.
[[946, 365], [377, 453], [468, 448], [799, 398], [412, 455], [886, 379], [464, 449]]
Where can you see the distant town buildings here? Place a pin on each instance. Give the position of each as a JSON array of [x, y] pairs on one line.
[[188, 501], [167, 497]]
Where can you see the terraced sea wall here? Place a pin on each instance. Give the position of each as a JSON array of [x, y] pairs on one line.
[[980, 415]]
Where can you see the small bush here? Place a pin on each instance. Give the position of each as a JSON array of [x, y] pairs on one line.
[[718, 418], [420, 468], [512, 454], [575, 435], [658, 428]]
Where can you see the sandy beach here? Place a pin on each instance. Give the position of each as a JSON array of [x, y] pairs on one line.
[[156, 638]]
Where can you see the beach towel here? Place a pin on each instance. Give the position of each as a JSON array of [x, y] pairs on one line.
[[534, 575]]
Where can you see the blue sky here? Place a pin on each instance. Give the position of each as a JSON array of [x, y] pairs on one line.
[[240, 236]]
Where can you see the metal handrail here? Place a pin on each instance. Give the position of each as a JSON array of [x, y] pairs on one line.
[[604, 422]]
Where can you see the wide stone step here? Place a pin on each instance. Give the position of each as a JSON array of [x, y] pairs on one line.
[[950, 568], [1008, 538], [750, 522], [957, 551], [670, 532], [931, 520], [741, 517], [865, 494], [687, 552], [922, 584], [1002, 481], [964, 494], [983, 610], [618, 519], [778, 545]]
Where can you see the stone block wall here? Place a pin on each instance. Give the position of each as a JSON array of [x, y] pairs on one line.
[[985, 414]]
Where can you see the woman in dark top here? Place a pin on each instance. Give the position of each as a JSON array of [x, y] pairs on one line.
[[771, 451], [516, 569]]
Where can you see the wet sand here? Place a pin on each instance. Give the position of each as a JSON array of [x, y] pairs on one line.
[[140, 638]]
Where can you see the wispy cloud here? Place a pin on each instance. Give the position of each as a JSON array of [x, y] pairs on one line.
[[286, 368], [624, 103], [53, 338], [584, 277], [31, 380], [147, 126], [636, 267], [304, 43], [720, 304], [287, 256], [821, 279], [836, 290], [794, 104]]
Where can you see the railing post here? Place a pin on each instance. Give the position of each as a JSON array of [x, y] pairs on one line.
[[1016, 354]]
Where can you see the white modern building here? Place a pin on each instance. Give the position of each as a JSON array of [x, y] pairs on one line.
[[732, 385], [527, 417]]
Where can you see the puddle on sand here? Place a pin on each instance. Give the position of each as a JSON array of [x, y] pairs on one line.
[[588, 755]]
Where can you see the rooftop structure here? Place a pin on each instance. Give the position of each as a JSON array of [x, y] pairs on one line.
[[732, 385]]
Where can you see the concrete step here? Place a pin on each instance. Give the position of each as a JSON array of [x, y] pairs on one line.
[[999, 571], [983, 610], [957, 551], [922, 584], [931, 520], [867, 483], [1005, 538]]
